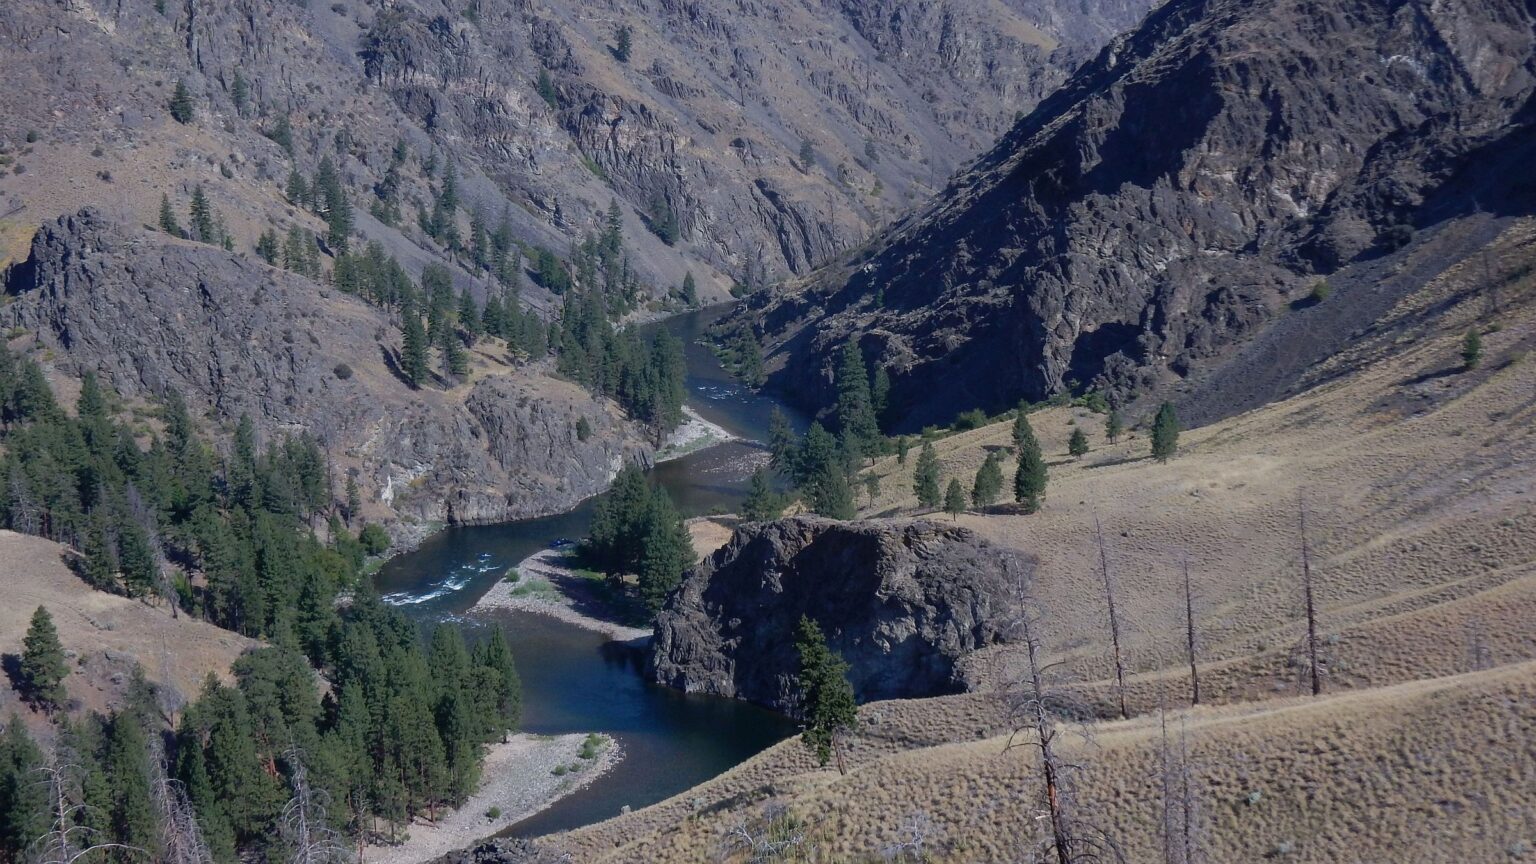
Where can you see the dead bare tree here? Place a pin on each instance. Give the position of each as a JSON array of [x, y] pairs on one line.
[[1114, 617], [181, 838], [305, 824], [1311, 605], [776, 836], [1071, 840], [1189, 638], [918, 832], [67, 841]]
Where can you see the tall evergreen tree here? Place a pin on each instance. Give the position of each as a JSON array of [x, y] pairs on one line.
[[855, 407], [508, 687], [202, 217], [1029, 478], [925, 480], [168, 222], [763, 502], [880, 395], [954, 498], [43, 667], [546, 88], [1077, 445], [1472, 349], [1165, 433], [989, 482], [23, 798], [1114, 426], [413, 351], [182, 108], [666, 550], [623, 43], [828, 709], [127, 764]]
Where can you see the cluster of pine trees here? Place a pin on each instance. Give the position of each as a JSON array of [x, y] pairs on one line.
[[399, 733], [327, 198], [206, 224], [822, 466], [636, 529], [647, 379]]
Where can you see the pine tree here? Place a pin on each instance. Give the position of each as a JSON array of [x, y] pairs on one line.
[[763, 503], [449, 196], [43, 667], [666, 551], [339, 222], [99, 560], [508, 692], [880, 395], [954, 498], [23, 800], [855, 411], [1113, 426], [807, 154], [1030, 478], [831, 496], [872, 487], [1023, 433], [989, 482], [202, 217], [623, 43], [925, 481], [1077, 446], [828, 708], [181, 105], [455, 360], [239, 92], [1471, 350], [546, 88], [168, 222], [690, 290], [268, 248], [469, 317], [127, 764], [1165, 433], [413, 351]]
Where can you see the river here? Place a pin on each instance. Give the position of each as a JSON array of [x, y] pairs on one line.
[[575, 680]]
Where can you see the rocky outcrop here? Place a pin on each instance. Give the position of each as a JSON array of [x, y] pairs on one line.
[[1177, 194], [900, 600], [235, 337]]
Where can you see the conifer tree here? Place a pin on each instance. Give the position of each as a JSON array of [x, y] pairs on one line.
[[127, 764], [23, 800], [1030, 477], [828, 710], [413, 352], [989, 481], [455, 360], [168, 222], [449, 195], [880, 395], [202, 217], [546, 88], [623, 43], [954, 498], [855, 411], [831, 496], [43, 667], [99, 560], [925, 481], [781, 443], [239, 92], [1077, 446], [1165, 433], [508, 689], [690, 290], [1113, 426], [763, 503], [666, 551], [1472, 350], [181, 105], [469, 317], [268, 248], [1023, 433], [872, 487]]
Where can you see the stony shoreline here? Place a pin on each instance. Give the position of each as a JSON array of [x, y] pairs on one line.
[[547, 587], [521, 777]]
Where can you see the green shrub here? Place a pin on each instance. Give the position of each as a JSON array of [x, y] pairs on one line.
[[374, 538], [1321, 291], [493, 813]]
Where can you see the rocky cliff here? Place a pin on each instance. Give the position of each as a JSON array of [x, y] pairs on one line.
[[1186, 187], [236, 337], [901, 601], [705, 120]]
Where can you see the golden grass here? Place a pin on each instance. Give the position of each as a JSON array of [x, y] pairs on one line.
[[1420, 482]]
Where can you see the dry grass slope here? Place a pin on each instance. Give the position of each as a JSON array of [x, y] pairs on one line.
[[1419, 477]]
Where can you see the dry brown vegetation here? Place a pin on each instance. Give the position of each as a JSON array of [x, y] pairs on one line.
[[104, 634], [1419, 479]]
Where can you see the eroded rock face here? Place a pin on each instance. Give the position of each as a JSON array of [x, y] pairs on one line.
[[901, 600], [1172, 198], [236, 337]]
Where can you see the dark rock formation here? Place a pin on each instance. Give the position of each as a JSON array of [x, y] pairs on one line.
[[902, 601], [235, 337], [1172, 198]]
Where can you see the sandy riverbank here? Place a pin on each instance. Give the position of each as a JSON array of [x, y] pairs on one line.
[[520, 778], [546, 586], [693, 435]]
